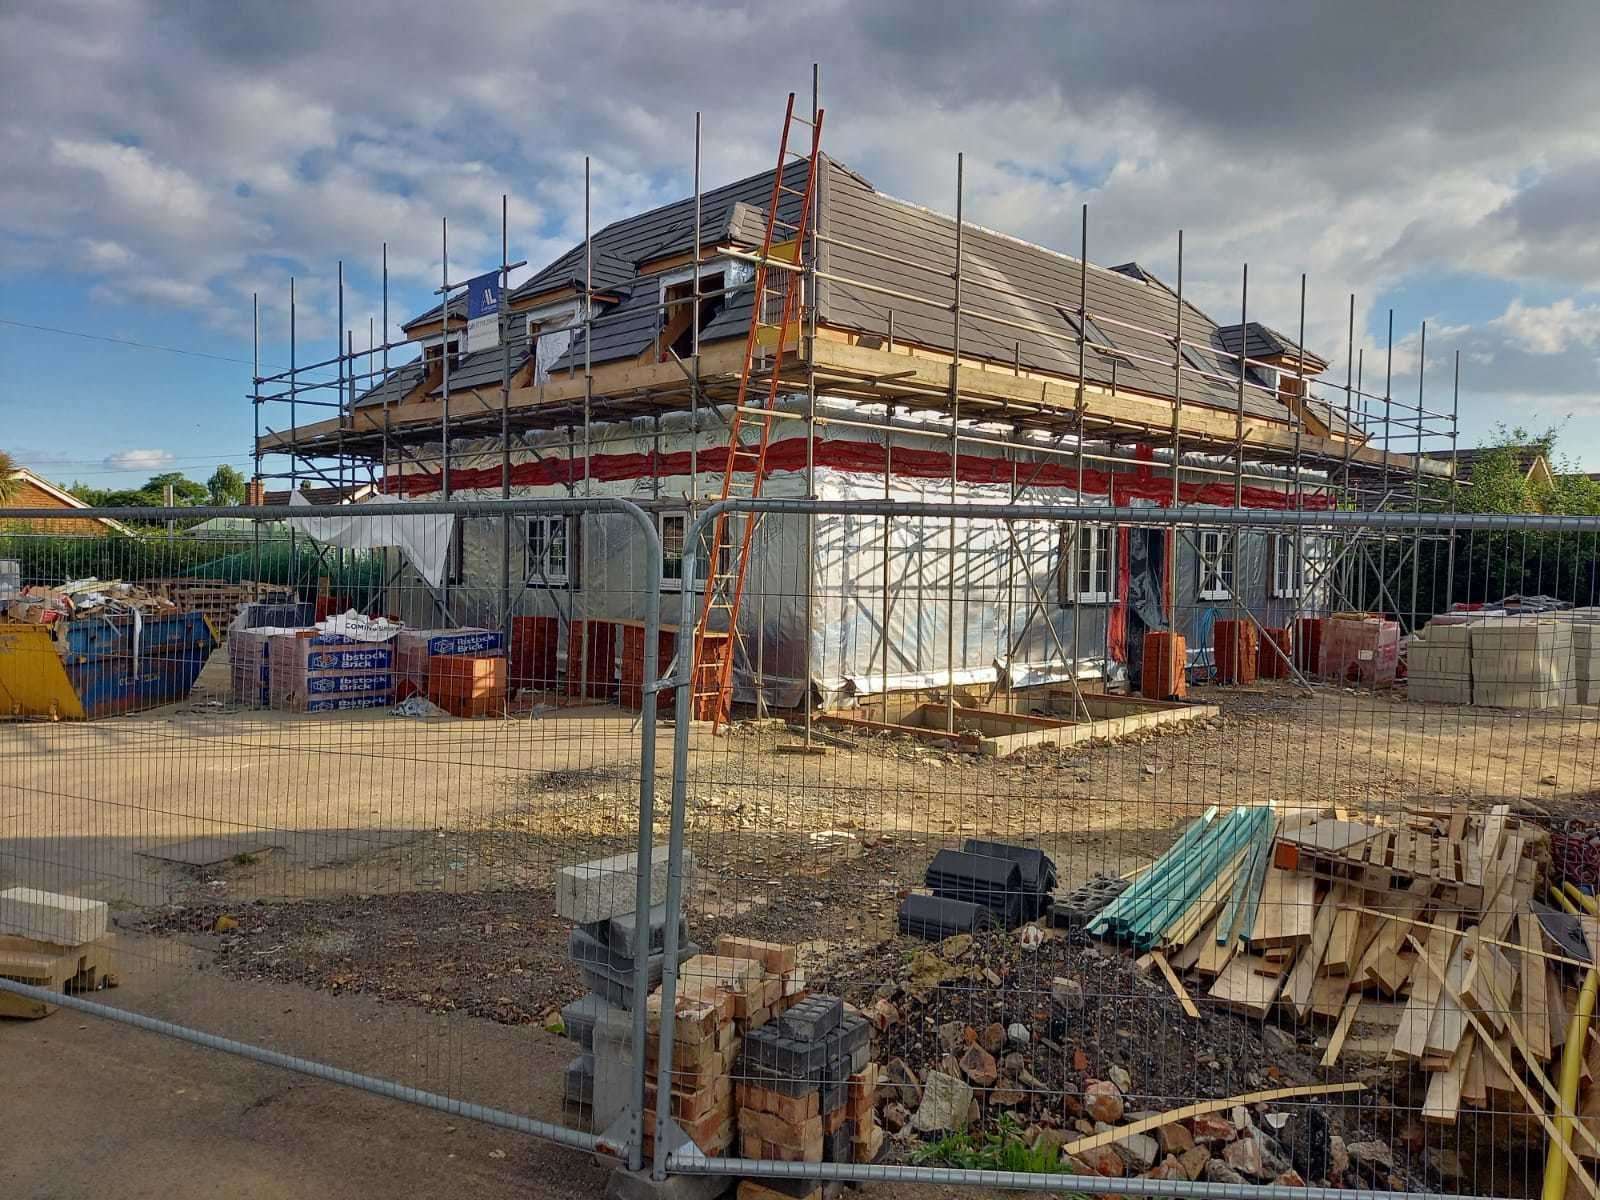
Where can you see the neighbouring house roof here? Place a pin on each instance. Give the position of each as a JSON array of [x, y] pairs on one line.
[[344, 494], [39, 493], [1530, 459]]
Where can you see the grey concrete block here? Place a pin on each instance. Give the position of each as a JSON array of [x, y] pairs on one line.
[[813, 1018], [606, 887], [51, 917], [578, 1080], [580, 1016], [637, 1185], [622, 932], [613, 1067]]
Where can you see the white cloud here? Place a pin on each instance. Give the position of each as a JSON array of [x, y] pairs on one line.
[[140, 460], [1550, 328]]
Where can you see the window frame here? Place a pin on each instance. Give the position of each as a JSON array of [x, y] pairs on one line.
[[733, 532], [1211, 564], [1314, 554], [567, 577], [1101, 546]]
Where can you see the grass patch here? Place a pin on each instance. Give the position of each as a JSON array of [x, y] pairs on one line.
[[1001, 1149]]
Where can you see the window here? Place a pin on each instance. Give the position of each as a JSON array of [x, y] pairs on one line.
[[551, 337], [1216, 564], [432, 355], [549, 553], [1086, 558], [1292, 575], [672, 527]]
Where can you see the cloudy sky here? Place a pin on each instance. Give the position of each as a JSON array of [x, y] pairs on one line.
[[161, 162]]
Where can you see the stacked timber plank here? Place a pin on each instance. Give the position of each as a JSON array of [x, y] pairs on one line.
[[1425, 928], [53, 942]]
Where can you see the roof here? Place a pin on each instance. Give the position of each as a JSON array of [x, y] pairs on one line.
[[1527, 458], [66, 498], [483, 367], [458, 311], [1019, 300], [345, 494], [1263, 341], [908, 249], [734, 212], [394, 386]]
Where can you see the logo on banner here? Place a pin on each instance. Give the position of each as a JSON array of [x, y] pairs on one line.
[[483, 312]]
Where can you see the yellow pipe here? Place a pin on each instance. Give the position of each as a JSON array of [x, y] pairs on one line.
[[1555, 1165], [1560, 898]]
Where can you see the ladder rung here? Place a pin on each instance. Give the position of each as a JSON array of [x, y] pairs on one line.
[[783, 187]]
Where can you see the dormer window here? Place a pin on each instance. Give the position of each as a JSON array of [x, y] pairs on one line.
[[433, 355], [677, 320]]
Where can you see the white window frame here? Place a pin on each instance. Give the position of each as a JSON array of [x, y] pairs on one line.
[[1216, 550], [1311, 560], [1099, 542], [732, 531], [550, 576], [543, 323]]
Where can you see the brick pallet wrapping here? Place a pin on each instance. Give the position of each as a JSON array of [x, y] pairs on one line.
[[467, 685], [314, 672], [1522, 662], [533, 655], [1308, 632], [1360, 649], [248, 659], [1439, 664]]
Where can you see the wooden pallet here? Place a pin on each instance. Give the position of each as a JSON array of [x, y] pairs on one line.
[[1390, 860], [63, 969]]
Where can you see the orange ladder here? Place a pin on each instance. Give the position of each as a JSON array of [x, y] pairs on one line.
[[750, 429]]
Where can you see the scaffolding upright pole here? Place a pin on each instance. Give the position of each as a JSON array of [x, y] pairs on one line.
[[1075, 541], [694, 355], [505, 419], [808, 284], [588, 400], [955, 452], [1450, 552], [1416, 478], [1171, 572], [294, 436], [444, 358], [1383, 491], [256, 486], [1298, 576]]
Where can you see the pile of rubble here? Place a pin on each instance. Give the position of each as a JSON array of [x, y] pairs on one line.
[[46, 605]]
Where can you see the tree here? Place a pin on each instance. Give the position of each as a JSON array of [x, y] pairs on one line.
[[226, 486], [9, 484], [184, 489]]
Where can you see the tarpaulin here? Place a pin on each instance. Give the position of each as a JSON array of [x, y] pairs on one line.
[[424, 538]]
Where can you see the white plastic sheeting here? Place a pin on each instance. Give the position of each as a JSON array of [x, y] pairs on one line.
[[424, 538]]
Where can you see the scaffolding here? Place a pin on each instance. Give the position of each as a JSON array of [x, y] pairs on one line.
[[1393, 454]]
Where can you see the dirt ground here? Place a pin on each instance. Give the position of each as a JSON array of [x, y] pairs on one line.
[[387, 882]]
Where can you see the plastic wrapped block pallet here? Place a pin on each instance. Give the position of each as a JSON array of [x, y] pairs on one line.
[[1439, 664], [1359, 649], [325, 673], [1522, 662], [51, 917], [414, 647]]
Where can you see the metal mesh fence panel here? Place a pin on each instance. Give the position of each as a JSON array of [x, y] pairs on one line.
[[1189, 852], [330, 782]]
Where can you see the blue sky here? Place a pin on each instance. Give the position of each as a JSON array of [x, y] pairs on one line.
[[163, 161]]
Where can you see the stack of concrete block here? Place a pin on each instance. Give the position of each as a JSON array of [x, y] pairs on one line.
[[53, 942], [1522, 662], [600, 898], [806, 1087], [1585, 637], [414, 647], [1439, 664]]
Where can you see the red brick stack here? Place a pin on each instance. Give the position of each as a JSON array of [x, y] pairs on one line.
[[468, 685], [1162, 676], [1274, 665], [1235, 651]]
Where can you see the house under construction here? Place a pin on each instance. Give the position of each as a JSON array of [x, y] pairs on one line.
[[801, 334]]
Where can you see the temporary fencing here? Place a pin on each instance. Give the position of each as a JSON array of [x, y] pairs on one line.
[[1113, 850]]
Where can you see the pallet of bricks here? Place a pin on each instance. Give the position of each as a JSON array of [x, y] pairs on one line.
[[468, 685], [315, 672], [415, 648], [1439, 940], [55, 943]]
